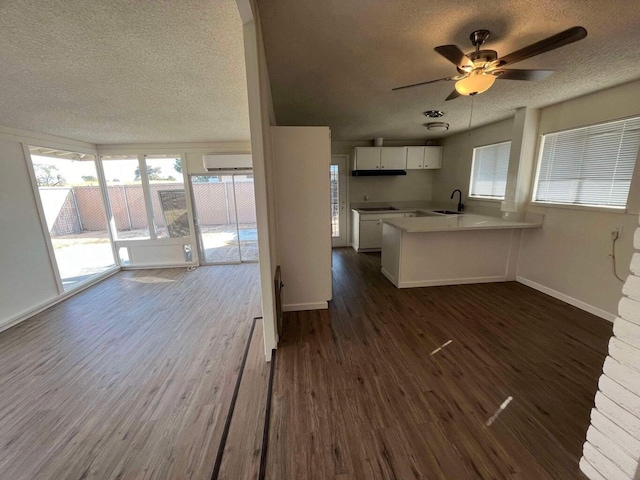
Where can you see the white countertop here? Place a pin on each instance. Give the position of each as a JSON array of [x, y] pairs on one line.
[[445, 223]]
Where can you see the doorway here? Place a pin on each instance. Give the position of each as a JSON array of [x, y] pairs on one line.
[[339, 196], [225, 218]]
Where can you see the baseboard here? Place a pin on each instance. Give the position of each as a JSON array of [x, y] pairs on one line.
[[298, 307], [365, 250], [50, 303], [451, 281], [567, 299], [388, 275]]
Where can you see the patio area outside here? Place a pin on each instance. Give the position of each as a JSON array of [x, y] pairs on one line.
[[82, 255], [222, 245]]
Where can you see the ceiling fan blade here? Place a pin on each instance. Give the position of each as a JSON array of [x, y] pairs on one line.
[[452, 96], [454, 55], [558, 40], [424, 83], [514, 74]]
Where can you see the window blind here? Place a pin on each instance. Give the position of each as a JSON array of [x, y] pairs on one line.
[[489, 171], [589, 165]]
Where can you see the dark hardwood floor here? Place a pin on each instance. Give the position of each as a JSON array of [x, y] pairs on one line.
[[130, 379], [358, 393]]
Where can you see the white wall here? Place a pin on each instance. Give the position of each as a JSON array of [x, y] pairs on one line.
[[261, 117], [302, 156], [416, 185], [27, 279], [570, 254], [456, 165]]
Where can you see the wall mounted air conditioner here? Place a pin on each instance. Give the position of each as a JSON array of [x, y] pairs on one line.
[[229, 162]]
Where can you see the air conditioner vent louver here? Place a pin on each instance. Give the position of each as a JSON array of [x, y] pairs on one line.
[[235, 162]]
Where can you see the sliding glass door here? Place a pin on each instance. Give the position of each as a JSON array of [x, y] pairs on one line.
[[225, 218], [72, 204]]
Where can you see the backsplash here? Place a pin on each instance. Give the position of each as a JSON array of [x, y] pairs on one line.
[[416, 185]]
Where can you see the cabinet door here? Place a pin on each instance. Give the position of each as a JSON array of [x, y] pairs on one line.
[[393, 158], [370, 234], [432, 157], [368, 158], [415, 158]]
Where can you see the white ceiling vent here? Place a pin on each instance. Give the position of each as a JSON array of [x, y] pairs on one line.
[[227, 162]]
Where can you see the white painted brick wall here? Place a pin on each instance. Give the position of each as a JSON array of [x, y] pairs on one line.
[[635, 264], [612, 449]]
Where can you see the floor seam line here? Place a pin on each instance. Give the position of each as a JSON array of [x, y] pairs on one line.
[[232, 406], [267, 419]]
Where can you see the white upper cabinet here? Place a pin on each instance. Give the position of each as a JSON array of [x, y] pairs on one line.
[[393, 158], [374, 158], [432, 157], [419, 158], [415, 158], [367, 158]]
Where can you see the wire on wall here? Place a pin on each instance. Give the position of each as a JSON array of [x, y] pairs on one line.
[[614, 239]]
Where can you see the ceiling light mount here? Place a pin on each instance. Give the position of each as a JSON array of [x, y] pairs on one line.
[[433, 113], [478, 37], [437, 126]]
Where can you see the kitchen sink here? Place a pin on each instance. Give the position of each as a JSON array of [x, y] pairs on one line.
[[447, 212], [376, 209]]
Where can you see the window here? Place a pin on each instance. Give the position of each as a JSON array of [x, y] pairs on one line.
[[72, 203], [589, 166], [149, 209], [489, 171]]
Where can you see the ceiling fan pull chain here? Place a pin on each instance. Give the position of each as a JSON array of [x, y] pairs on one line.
[[473, 98]]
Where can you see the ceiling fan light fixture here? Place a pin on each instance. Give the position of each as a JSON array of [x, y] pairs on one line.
[[475, 83]]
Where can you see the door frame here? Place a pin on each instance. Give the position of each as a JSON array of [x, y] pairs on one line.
[[342, 161]]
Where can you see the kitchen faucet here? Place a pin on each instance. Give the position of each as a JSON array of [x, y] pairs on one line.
[[460, 205]]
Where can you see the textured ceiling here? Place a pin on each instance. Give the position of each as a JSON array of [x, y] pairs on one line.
[[335, 62], [123, 71]]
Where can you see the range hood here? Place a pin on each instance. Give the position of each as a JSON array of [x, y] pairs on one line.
[[377, 173]]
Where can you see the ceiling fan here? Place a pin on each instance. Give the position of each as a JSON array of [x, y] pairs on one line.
[[478, 70]]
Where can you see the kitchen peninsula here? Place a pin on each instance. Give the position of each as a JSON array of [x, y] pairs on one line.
[[451, 249]]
